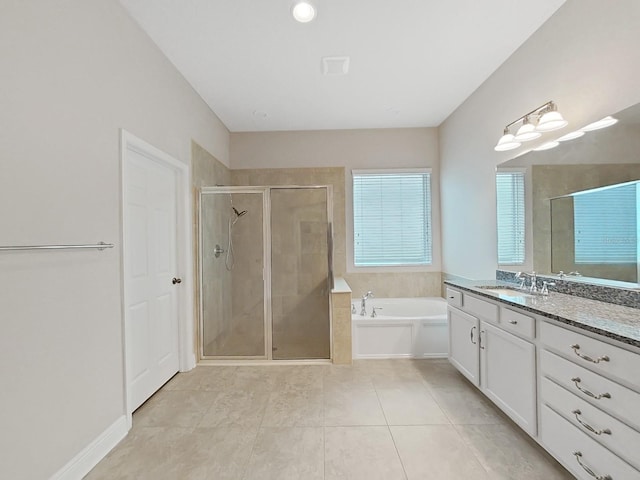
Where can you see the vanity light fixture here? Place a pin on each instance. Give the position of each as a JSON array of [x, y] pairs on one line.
[[507, 142], [605, 122], [545, 118], [527, 131], [303, 11]]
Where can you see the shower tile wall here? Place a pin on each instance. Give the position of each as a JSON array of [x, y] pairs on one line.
[[208, 171], [300, 303], [216, 280], [246, 337], [334, 176], [300, 283]]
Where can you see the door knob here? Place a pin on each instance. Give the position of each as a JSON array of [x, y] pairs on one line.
[[176, 280]]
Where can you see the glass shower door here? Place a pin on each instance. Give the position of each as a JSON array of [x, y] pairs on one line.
[[232, 290], [300, 276]]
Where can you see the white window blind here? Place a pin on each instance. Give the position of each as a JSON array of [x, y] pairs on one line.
[[511, 217], [392, 218], [605, 225]]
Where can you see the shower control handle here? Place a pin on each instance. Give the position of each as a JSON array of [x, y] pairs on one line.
[[175, 280], [217, 251]]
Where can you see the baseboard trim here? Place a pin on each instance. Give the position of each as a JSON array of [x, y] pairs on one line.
[[89, 457]]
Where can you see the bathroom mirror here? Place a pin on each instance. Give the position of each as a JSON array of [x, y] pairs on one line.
[[555, 177], [595, 232]]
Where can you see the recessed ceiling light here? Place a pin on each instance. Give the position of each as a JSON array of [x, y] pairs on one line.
[[303, 12]]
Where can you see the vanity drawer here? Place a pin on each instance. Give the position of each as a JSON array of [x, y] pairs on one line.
[[485, 310], [454, 297], [579, 452], [613, 434], [606, 394], [517, 322], [601, 357]]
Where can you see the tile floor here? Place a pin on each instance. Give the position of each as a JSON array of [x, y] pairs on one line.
[[377, 419]]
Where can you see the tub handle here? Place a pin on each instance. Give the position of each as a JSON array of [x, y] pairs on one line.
[[373, 313], [472, 329]]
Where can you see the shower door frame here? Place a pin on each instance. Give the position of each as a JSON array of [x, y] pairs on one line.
[[265, 191]]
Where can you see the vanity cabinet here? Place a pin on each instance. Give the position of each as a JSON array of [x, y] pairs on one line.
[[591, 388], [508, 374], [464, 331], [577, 394], [501, 364]]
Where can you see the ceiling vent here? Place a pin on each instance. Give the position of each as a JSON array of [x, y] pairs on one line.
[[335, 65]]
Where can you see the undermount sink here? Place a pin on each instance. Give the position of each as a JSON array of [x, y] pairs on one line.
[[510, 292]]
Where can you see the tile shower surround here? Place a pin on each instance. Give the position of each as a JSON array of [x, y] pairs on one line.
[[602, 293]]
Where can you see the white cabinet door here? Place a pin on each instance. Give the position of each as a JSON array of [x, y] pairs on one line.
[[509, 374], [463, 343]]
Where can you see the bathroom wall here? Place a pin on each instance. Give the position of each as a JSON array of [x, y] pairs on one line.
[[351, 149], [73, 73], [585, 59]]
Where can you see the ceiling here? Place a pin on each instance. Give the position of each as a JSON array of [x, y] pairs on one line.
[[412, 62]]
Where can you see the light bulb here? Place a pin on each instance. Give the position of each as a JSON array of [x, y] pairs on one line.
[[303, 12], [527, 132]]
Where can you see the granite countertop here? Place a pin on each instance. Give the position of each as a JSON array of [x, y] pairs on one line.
[[607, 319]]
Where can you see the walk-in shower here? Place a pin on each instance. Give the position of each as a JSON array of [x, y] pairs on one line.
[[265, 272]]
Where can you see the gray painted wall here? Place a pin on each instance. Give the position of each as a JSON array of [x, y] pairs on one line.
[[73, 73]]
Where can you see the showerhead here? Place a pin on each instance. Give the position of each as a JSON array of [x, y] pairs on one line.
[[239, 214]]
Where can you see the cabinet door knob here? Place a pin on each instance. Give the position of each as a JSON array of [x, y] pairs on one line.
[[176, 280]]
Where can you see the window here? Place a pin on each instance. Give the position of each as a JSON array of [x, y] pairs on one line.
[[511, 217], [392, 217], [605, 225]]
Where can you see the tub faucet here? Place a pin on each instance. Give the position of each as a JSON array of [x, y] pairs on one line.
[[363, 303]]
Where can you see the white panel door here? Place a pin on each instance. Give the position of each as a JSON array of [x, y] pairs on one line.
[[150, 265], [463, 344]]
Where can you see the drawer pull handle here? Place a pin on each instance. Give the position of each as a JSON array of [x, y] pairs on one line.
[[577, 380], [588, 470], [576, 347], [513, 322], [577, 413]]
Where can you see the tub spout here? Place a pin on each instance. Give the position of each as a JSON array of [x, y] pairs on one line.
[[363, 303]]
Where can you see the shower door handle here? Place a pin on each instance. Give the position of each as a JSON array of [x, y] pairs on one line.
[[175, 280]]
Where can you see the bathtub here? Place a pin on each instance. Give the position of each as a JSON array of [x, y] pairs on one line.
[[402, 328]]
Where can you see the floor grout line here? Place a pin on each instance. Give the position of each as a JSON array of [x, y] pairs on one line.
[[404, 470]]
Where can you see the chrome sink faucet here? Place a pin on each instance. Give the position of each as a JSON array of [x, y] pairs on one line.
[[533, 286], [363, 303]]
